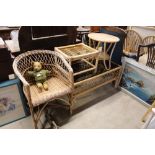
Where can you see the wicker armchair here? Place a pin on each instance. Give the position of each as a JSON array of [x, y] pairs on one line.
[[60, 81], [131, 44]]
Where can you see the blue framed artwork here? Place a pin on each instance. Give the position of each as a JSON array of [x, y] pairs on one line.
[[139, 80], [12, 103]]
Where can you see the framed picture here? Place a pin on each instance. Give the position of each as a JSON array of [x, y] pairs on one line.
[[139, 80], [12, 106]]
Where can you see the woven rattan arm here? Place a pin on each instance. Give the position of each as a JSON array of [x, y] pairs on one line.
[[63, 70], [18, 74], [26, 85]]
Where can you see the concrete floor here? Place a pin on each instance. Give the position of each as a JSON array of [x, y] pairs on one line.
[[119, 111], [105, 108]]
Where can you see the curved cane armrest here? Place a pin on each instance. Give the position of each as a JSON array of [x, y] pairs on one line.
[[19, 75], [64, 70], [65, 76], [65, 63]]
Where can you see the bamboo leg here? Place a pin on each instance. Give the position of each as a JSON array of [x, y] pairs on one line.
[[96, 64], [105, 51], [71, 98], [98, 45], [148, 111], [33, 117], [109, 47], [36, 116], [119, 78], [148, 121], [111, 55], [40, 111], [104, 54]]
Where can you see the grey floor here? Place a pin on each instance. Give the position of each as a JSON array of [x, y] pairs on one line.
[[105, 108]]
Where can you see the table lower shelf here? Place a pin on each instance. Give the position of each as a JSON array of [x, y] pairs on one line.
[[91, 81]]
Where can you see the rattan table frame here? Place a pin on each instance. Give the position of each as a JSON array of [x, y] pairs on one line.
[[84, 57]]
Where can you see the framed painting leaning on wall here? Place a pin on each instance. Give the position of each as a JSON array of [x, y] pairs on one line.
[[138, 80], [11, 102]]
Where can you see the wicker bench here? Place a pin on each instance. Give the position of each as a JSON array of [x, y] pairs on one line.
[[89, 72]]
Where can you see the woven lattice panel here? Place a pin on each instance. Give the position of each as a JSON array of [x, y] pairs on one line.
[[96, 81], [50, 60], [76, 50]]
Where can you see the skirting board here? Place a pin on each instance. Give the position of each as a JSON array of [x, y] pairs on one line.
[[134, 96]]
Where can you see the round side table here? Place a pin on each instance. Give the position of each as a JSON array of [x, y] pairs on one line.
[[104, 38]]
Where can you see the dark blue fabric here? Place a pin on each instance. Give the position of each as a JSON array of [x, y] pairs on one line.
[[118, 51]]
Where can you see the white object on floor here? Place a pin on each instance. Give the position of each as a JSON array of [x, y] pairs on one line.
[[11, 76], [150, 123]]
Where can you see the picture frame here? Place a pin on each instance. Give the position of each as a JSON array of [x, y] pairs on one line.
[[138, 80], [12, 102]]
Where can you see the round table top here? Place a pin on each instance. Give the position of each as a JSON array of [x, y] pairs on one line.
[[102, 37]]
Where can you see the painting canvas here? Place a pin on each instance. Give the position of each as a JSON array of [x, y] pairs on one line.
[[139, 81], [11, 103]]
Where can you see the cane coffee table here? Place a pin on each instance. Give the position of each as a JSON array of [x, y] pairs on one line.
[[80, 53]]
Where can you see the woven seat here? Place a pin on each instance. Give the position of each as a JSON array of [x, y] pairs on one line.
[[55, 85], [60, 81]]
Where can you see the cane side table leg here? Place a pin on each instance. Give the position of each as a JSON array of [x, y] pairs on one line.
[[104, 55], [98, 45], [148, 111], [111, 55]]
